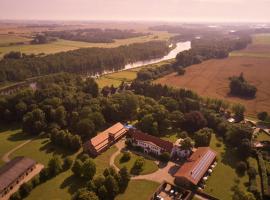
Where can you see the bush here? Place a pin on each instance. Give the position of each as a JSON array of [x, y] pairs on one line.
[[241, 167], [264, 176], [126, 157], [67, 163], [165, 157], [25, 189], [138, 166], [15, 196], [35, 181], [180, 71], [262, 116], [44, 175]]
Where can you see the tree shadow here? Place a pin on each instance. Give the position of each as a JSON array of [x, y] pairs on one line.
[[72, 183], [9, 127], [19, 137]]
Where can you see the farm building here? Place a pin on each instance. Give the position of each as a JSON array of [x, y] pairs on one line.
[[195, 168], [13, 173], [105, 139]]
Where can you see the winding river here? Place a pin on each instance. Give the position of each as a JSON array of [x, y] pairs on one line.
[[180, 46]]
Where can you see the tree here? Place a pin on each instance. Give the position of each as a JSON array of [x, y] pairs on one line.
[[15, 196], [262, 116], [103, 193], [237, 132], [77, 168], [244, 148], [84, 194], [176, 118], [91, 87], [60, 116], [76, 142], [34, 122], [187, 143], [111, 186], [165, 157], [86, 128], [124, 178], [55, 165], [194, 121], [239, 111], [202, 137], [88, 169], [180, 71], [169, 103]]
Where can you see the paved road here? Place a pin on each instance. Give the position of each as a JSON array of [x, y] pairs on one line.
[[6, 158]]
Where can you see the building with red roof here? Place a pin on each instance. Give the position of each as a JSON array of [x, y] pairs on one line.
[[105, 139], [149, 143], [195, 168]]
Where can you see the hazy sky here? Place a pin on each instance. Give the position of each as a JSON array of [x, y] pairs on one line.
[[168, 10]]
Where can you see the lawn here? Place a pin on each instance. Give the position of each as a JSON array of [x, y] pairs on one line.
[[171, 137], [138, 189], [129, 75], [10, 137], [223, 177], [149, 167], [66, 45], [65, 184]]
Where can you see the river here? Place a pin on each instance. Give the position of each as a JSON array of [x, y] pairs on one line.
[[180, 46]]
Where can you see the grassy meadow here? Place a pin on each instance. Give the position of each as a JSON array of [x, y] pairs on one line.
[[66, 45]]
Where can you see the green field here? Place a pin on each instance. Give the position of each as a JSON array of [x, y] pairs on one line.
[[223, 177], [149, 167], [262, 136], [66, 45], [138, 189], [10, 137], [129, 75], [171, 137]]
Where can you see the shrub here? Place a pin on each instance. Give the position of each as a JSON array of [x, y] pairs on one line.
[[165, 157], [15, 196], [67, 163], [35, 181], [126, 157], [138, 166], [264, 176], [25, 189], [241, 167]]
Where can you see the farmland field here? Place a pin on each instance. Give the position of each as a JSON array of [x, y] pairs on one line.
[[210, 78], [66, 45]]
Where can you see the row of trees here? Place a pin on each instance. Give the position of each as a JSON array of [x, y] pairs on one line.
[[87, 60], [240, 87], [94, 35]]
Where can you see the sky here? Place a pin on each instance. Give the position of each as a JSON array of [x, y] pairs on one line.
[[146, 10]]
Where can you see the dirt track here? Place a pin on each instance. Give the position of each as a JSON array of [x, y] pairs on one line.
[[210, 78]]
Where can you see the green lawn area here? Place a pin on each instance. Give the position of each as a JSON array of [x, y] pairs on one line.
[[262, 136], [223, 177], [117, 78], [65, 184], [149, 167], [10, 137], [139, 189]]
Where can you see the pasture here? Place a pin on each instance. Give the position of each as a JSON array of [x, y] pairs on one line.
[[211, 78], [66, 45]]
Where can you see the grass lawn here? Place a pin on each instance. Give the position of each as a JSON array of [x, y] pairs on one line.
[[149, 167], [10, 137], [5, 40], [223, 177], [262, 136], [139, 189], [65, 184], [117, 78]]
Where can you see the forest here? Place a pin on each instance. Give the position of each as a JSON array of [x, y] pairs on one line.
[[94, 35], [84, 61]]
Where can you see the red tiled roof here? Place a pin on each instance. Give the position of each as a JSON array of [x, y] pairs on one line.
[[138, 135], [11, 171], [102, 140], [197, 165]]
